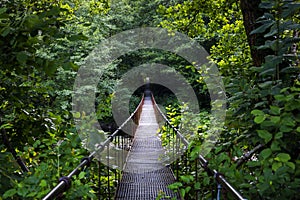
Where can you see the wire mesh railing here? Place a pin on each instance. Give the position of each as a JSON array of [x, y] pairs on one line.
[[119, 140], [177, 144]]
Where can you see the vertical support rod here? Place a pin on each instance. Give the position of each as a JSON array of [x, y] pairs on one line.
[[196, 168], [115, 158], [99, 180], [219, 192], [173, 144], [122, 146], [177, 161], [108, 174]]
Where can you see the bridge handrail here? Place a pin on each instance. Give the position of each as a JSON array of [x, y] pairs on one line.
[[203, 162], [65, 181]]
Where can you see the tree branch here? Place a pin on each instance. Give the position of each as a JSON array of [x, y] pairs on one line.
[[13, 151], [248, 155]]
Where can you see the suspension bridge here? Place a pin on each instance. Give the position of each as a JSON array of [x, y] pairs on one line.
[[145, 175]]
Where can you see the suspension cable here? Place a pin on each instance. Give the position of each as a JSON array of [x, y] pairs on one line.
[[65, 181], [203, 162]]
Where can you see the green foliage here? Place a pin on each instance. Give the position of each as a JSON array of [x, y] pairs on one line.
[[40, 43], [43, 43], [199, 21], [197, 126], [278, 25], [263, 102]]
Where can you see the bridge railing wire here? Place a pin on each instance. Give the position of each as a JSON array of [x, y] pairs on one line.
[[120, 140], [178, 144]]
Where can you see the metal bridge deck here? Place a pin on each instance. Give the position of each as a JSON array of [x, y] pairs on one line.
[[144, 176]]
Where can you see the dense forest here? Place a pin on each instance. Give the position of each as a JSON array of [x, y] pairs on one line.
[[253, 43]]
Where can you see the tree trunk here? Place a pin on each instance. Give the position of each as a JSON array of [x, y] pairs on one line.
[[251, 12]]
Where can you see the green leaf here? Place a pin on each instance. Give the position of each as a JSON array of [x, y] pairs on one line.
[[43, 183], [264, 27], [206, 181], [253, 164], [275, 119], [22, 57], [273, 60], [259, 119], [32, 194], [269, 44], [32, 21], [280, 97], [264, 135], [272, 32], [288, 121], [278, 135], [276, 165], [50, 67], [70, 65], [282, 157], [266, 72], [257, 112], [285, 129], [291, 165], [175, 186], [187, 178], [289, 70], [6, 126], [77, 37], [81, 175], [267, 5], [182, 192], [9, 193], [290, 9], [188, 188], [195, 152], [275, 146], [2, 10], [265, 153], [76, 115], [266, 124], [36, 143], [197, 185], [54, 11], [275, 110], [5, 31]]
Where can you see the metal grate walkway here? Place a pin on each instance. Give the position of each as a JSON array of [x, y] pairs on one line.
[[144, 176]]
